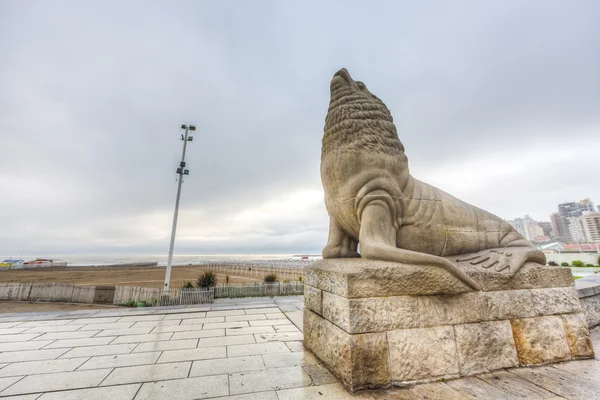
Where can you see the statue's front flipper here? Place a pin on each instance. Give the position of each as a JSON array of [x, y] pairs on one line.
[[507, 260], [378, 242], [339, 243]]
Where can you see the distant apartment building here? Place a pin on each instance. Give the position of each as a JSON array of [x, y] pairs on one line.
[[586, 228], [563, 220], [527, 227], [546, 227]]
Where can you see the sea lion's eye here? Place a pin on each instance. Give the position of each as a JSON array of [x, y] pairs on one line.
[[360, 85]]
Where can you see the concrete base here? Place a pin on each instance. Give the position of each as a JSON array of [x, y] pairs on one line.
[[381, 336]]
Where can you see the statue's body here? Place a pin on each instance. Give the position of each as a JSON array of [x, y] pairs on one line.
[[373, 200]]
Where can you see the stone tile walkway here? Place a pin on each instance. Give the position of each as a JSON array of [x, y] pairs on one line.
[[232, 349]]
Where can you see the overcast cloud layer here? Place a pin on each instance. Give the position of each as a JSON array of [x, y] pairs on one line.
[[497, 103]]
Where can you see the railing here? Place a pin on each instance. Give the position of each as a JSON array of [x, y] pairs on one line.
[[177, 297], [259, 290]]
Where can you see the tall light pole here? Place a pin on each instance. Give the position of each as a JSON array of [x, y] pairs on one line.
[[181, 171]]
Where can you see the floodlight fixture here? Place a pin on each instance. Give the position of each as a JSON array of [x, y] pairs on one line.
[[183, 126], [192, 127]]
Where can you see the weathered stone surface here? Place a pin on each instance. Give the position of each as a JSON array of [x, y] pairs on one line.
[[552, 301], [540, 340], [531, 276], [506, 304], [591, 308], [422, 353], [359, 277], [313, 299], [379, 314], [358, 360], [484, 347], [578, 336], [450, 310]]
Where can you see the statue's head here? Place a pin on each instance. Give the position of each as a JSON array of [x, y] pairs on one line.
[[357, 120]]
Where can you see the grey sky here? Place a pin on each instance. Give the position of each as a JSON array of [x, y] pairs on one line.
[[497, 103]]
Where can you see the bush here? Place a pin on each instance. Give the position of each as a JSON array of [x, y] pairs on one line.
[[300, 278], [187, 285], [577, 263], [271, 278], [589, 265], [564, 264], [553, 263], [207, 279], [227, 280]]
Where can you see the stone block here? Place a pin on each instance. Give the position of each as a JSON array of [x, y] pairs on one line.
[[530, 276], [506, 304], [578, 336], [358, 277], [591, 308], [450, 310], [485, 346], [422, 354], [359, 361], [313, 299], [540, 340], [379, 314], [552, 301]]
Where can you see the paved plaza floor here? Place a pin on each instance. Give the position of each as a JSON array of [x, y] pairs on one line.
[[232, 349]]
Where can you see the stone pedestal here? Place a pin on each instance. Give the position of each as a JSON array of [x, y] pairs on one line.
[[376, 324]]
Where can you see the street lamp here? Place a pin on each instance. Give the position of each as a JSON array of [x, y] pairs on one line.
[[181, 171]]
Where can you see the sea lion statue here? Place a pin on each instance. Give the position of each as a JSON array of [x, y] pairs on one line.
[[373, 200]]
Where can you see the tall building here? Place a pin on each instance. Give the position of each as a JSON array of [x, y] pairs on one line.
[[568, 212], [527, 227], [546, 227], [558, 226], [586, 228]]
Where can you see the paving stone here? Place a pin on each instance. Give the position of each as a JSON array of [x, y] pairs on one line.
[[278, 337], [278, 315], [58, 381], [176, 328], [286, 328], [249, 330], [89, 351], [484, 347], [515, 386], [198, 334], [167, 345], [422, 353], [437, 391], [279, 360], [125, 332], [272, 379], [14, 331], [271, 322], [226, 341], [296, 346], [67, 335], [584, 369], [297, 318], [559, 382], [253, 317], [99, 320], [32, 324], [104, 326], [319, 374], [123, 392], [268, 310], [200, 321], [330, 392], [540, 340], [31, 355], [156, 324], [120, 360], [256, 349], [54, 328], [188, 389], [147, 373], [18, 346], [6, 325], [474, 388], [81, 342], [225, 313], [6, 382], [23, 337], [151, 337], [271, 395], [226, 365], [185, 315], [138, 318], [41, 367], [23, 397], [192, 354]]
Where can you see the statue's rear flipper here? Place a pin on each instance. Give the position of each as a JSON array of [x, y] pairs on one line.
[[505, 260]]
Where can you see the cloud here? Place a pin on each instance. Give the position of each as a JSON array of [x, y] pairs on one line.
[[484, 95]]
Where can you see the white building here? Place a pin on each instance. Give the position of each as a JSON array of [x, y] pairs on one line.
[[527, 227], [586, 228]]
